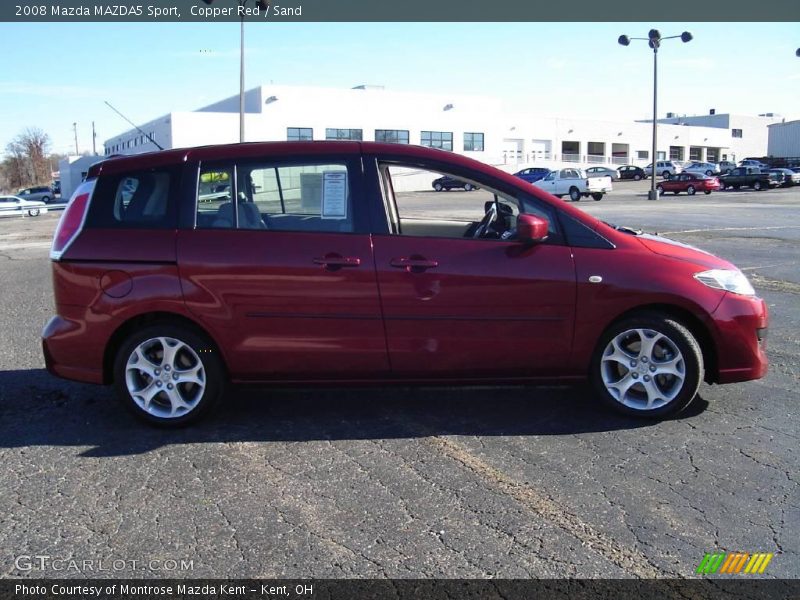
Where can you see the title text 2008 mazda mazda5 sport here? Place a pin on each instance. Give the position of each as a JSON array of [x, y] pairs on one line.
[[178, 272]]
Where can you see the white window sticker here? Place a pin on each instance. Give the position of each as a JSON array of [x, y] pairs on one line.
[[334, 195]]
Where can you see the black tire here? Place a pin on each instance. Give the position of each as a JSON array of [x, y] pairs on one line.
[[709, 172], [665, 174], [637, 177], [204, 351], [46, 199], [757, 186], [691, 190], [33, 212], [660, 190], [574, 194], [597, 196], [468, 187], [437, 187], [706, 192], [679, 336]]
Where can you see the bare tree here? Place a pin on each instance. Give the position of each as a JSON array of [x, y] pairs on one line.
[[27, 160]]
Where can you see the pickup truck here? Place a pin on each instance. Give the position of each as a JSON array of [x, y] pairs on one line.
[[751, 177], [573, 183]]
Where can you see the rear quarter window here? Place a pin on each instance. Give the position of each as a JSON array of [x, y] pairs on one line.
[[145, 199]]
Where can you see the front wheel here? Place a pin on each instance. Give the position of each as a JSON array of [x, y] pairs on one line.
[[757, 186], [574, 194], [647, 365], [437, 187], [665, 174], [637, 177], [33, 212], [660, 190], [168, 375], [46, 199], [468, 187], [707, 192], [597, 196]]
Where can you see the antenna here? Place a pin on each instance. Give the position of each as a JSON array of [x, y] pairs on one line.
[[149, 137]]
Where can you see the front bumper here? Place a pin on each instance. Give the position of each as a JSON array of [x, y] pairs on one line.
[[741, 323]]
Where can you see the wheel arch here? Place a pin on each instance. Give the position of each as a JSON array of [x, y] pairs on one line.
[[144, 320], [695, 324]]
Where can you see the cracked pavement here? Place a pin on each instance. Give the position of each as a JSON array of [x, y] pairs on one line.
[[413, 483]]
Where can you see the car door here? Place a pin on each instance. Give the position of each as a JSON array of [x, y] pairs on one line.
[[281, 269], [461, 307]]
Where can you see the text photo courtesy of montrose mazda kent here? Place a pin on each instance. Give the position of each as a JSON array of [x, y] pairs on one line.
[[323, 262]]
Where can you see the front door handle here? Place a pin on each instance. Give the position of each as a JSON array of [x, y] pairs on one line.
[[334, 262], [414, 264]]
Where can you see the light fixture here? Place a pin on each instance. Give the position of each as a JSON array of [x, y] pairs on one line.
[[448, 107], [271, 99]]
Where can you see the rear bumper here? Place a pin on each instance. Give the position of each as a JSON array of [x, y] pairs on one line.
[[742, 324], [63, 355]]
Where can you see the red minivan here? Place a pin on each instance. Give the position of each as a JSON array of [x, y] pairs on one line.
[[179, 272]]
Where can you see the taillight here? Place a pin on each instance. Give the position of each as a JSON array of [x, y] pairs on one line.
[[72, 220]]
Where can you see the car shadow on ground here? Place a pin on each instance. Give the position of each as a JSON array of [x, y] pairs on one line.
[[37, 409]]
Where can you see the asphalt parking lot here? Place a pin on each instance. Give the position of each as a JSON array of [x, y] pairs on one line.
[[474, 483]]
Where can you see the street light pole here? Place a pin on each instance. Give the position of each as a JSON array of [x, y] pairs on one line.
[[654, 40]]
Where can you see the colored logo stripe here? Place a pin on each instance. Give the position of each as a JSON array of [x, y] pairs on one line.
[[734, 562]]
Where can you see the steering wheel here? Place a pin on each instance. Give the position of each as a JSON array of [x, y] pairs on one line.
[[489, 218]]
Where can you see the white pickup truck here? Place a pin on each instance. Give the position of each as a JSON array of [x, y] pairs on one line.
[[573, 183]]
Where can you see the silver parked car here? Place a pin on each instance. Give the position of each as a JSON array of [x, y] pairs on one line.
[[726, 166], [602, 172], [665, 168], [706, 168], [40, 193], [13, 205]]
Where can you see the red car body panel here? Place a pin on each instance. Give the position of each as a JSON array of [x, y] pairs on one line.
[[455, 310], [682, 182]]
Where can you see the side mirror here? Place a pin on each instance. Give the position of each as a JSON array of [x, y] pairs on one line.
[[531, 229]]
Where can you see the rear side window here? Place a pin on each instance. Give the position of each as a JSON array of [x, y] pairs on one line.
[[142, 199]]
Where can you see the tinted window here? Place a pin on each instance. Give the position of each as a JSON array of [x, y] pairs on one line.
[[140, 199]]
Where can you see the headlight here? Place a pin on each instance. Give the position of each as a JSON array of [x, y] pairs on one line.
[[726, 279]]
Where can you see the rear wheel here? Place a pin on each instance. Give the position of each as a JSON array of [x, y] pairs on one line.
[[665, 174], [690, 190], [660, 190], [46, 199], [168, 375], [709, 172], [757, 186], [707, 192], [647, 365], [469, 187], [597, 196], [637, 177], [574, 194], [33, 212], [437, 187]]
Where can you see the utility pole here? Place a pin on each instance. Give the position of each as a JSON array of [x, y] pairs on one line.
[[75, 130], [94, 140]]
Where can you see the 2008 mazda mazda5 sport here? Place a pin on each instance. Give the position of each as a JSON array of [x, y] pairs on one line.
[[178, 272]]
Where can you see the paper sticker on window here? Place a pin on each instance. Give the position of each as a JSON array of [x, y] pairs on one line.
[[334, 195]]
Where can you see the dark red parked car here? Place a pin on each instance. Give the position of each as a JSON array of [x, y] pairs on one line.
[[311, 264], [691, 183]]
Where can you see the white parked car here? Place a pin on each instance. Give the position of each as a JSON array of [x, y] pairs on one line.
[[726, 166], [14, 205], [573, 183], [705, 168]]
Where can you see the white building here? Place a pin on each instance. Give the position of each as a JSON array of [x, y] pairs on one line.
[[747, 136], [784, 139], [472, 125], [72, 171]]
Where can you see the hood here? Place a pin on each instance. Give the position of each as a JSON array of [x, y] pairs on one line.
[[680, 251]]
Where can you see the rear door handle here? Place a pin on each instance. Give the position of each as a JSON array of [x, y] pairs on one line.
[[414, 264], [333, 261]]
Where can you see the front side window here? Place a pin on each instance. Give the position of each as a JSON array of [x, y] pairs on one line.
[[437, 139], [481, 213], [737, 133], [473, 142], [392, 136], [298, 197], [299, 134]]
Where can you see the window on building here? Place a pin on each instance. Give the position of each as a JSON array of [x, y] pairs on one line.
[[676, 152], [299, 134], [437, 139], [343, 134], [661, 155], [643, 154], [596, 148], [473, 142], [695, 153], [392, 136], [737, 133]]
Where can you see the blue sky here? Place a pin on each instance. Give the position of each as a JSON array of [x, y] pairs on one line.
[[57, 74]]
